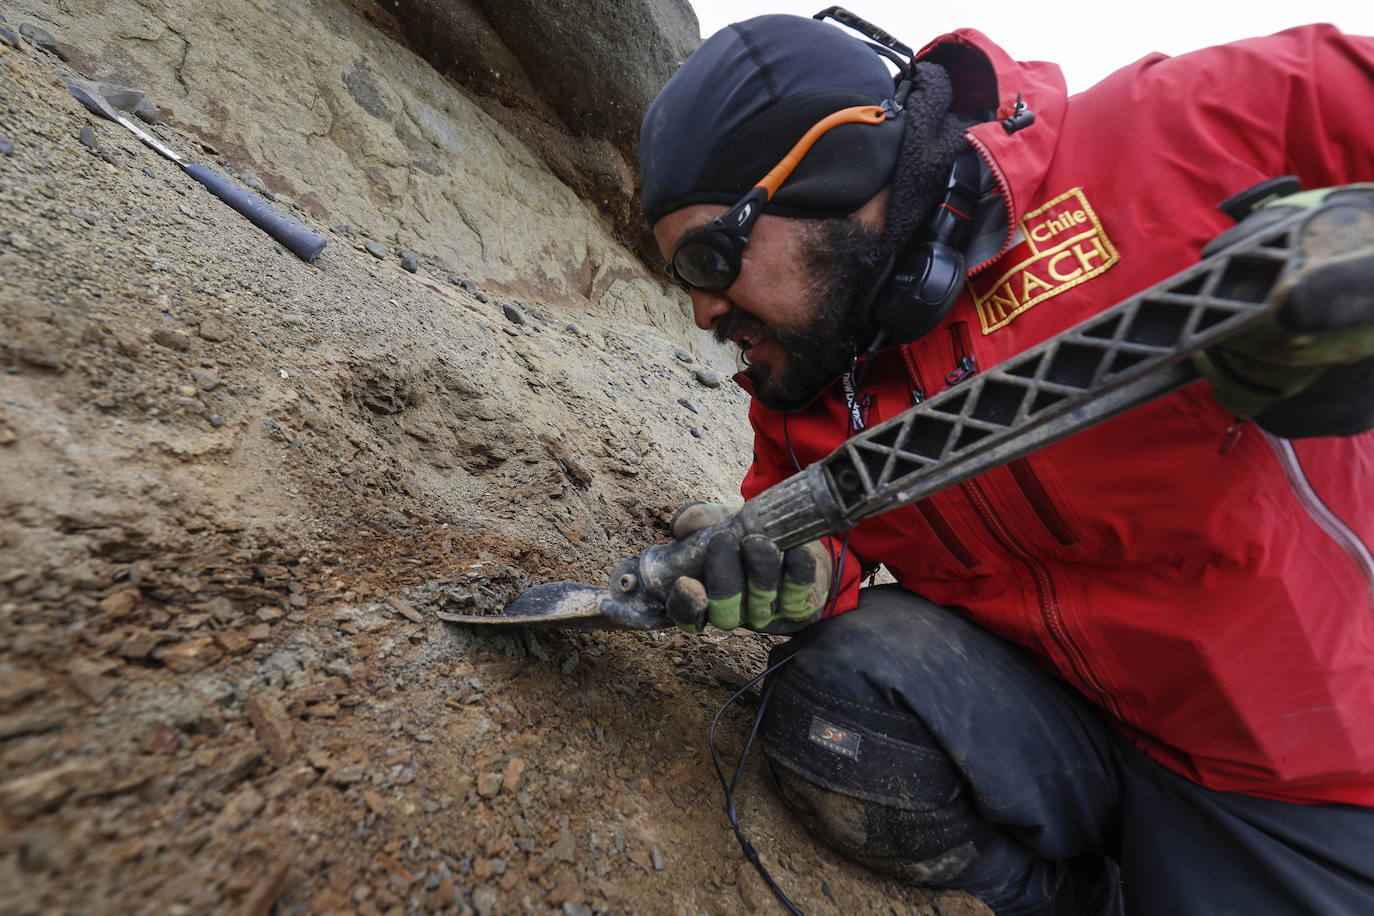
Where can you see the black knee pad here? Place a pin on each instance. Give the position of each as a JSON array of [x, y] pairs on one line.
[[869, 782]]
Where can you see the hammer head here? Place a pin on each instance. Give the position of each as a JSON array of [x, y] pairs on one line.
[[100, 98]]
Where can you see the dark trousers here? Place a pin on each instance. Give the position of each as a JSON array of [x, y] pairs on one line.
[[923, 746]]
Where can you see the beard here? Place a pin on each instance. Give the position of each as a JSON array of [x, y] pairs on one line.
[[844, 258]]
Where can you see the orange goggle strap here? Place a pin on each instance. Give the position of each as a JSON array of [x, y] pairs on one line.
[[861, 114]]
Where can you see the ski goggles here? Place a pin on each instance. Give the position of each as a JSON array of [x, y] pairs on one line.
[[708, 257]]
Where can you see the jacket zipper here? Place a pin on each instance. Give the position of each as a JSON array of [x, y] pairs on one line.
[[918, 390], [1320, 512], [1048, 598], [1033, 489], [1002, 186], [964, 363]]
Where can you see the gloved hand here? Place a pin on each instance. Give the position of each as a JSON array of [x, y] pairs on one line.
[[748, 582], [1326, 318]]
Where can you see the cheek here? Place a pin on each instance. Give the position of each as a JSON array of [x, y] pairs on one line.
[[774, 278]]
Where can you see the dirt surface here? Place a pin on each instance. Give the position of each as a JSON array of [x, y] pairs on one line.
[[235, 491]]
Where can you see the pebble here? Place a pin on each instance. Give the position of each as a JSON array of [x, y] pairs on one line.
[[238, 811], [147, 113], [20, 241], [489, 785], [376, 249], [42, 40], [696, 432], [189, 655], [656, 857], [84, 217], [484, 901], [214, 329], [708, 377], [514, 775], [467, 285], [148, 170], [108, 157], [87, 137], [690, 404], [575, 909], [574, 329], [272, 726], [6, 146], [513, 313], [216, 420], [251, 179], [409, 260], [173, 339], [9, 37], [570, 663], [684, 355]]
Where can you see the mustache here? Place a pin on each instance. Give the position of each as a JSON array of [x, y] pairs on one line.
[[740, 323]]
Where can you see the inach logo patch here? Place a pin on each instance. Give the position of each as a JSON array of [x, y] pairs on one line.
[[1062, 245], [832, 737]]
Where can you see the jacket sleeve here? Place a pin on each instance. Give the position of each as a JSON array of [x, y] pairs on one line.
[[1293, 103], [1328, 140], [772, 464]]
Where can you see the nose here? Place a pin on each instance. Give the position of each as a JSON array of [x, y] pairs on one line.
[[708, 308]]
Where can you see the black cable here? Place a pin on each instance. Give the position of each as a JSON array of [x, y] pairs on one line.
[[731, 814], [728, 788], [792, 453]]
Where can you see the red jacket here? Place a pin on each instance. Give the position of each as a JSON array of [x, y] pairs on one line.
[[1207, 585]]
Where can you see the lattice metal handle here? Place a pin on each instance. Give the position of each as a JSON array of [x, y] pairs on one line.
[[1123, 357], [1119, 359]]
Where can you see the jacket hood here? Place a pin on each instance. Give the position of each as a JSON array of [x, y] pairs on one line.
[[987, 82]]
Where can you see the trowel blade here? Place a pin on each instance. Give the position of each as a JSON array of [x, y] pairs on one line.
[[567, 604]]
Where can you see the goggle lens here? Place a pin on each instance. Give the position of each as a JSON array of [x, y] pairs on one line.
[[701, 265], [708, 258]]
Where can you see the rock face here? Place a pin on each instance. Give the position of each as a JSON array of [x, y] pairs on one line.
[[598, 64], [335, 115], [571, 78], [237, 491]]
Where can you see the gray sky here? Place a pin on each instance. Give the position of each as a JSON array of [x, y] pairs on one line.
[[1087, 39]]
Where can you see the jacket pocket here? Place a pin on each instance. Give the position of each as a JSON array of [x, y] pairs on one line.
[[1033, 489], [946, 536]]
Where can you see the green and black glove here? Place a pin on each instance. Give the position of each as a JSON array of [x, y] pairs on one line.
[[749, 582], [1310, 369]]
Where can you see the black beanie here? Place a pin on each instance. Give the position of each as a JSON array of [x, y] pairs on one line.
[[745, 97]]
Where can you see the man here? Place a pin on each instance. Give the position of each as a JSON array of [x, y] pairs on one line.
[[1140, 660]]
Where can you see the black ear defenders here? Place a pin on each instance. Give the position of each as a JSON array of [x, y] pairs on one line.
[[922, 283], [917, 287]]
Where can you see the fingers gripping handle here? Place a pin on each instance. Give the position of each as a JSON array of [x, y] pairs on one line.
[[791, 513]]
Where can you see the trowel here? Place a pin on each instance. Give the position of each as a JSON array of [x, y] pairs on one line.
[[1123, 357]]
